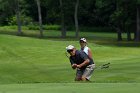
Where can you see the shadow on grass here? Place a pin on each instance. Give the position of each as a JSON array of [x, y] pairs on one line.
[[107, 41], [119, 43]]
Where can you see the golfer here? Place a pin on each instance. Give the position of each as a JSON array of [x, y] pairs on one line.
[[81, 62], [84, 47]]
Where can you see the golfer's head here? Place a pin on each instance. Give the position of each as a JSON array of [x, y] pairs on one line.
[[83, 42], [71, 50]]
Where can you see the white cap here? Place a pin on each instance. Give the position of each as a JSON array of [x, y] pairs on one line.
[[69, 47], [83, 39]]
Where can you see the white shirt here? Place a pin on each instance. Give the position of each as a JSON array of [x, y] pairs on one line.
[[85, 49]]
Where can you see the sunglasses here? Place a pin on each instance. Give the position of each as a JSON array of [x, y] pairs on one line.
[[69, 51], [81, 41]]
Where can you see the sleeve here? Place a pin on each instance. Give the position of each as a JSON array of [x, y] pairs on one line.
[[71, 61], [83, 55]]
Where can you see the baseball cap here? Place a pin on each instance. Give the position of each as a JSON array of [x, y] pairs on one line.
[[83, 39], [69, 47]]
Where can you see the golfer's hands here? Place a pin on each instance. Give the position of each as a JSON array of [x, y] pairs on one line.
[[79, 66], [74, 66]]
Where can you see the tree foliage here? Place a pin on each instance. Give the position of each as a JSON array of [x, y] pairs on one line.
[[118, 14]]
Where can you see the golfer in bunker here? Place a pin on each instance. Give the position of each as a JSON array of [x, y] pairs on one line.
[[81, 62]]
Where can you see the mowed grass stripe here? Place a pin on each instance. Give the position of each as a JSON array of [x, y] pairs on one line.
[[71, 88]]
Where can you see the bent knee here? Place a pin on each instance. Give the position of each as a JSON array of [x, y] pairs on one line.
[[83, 78]]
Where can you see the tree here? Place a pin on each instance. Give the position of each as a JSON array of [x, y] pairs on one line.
[[63, 28], [121, 18], [40, 18], [118, 18], [76, 18], [17, 10], [138, 21], [130, 17], [109, 13], [13, 8], [3, 11]]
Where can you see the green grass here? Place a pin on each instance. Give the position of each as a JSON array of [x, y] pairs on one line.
[[71, 88], [30, 60], [30, 65], [54, 31]]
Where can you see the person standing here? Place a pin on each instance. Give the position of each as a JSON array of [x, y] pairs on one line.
[[80, 61], [84, 47]]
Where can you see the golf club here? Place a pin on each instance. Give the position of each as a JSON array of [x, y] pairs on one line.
[[103, 66]]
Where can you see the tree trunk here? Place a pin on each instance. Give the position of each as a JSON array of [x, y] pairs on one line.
[[138, 24], [129, 36], [40, 18], [63, 28], [18, 19], [135, 35], [119, 33], [76, 18]]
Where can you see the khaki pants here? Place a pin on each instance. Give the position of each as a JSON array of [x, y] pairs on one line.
[[87, 72]]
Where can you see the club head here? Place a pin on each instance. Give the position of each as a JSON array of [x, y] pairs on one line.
[[104, 67], [106, 64]]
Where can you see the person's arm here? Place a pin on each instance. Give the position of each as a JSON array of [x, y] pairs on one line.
[[89, 53], [86, 59], [73, 65], [86, 62]]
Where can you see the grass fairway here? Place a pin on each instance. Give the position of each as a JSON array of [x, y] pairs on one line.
[[30, 65], [71, 88]]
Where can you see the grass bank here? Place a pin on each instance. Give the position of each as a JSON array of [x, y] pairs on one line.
[[32, 60]]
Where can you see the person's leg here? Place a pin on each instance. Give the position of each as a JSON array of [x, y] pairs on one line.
[[88, 72], [79, 74]]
